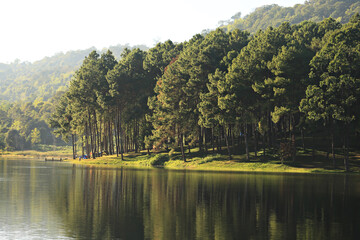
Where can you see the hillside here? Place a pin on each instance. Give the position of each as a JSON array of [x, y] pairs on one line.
[[26, 81], [274, 15], [40, 80]]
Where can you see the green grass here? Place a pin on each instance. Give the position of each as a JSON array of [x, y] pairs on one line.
[[196, 160], [220, 162], [42, 152]]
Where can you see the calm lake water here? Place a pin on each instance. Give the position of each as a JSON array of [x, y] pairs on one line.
[[49, 200]]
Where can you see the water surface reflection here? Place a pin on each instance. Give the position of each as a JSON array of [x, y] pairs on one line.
[[90, 203]]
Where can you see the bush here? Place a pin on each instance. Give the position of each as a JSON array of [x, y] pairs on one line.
[[159, 159], [210, 158]]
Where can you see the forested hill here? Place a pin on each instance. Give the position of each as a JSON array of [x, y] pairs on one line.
[[40, 80], [274, 15]]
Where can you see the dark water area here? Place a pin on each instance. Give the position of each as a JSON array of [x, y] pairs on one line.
[[49, 200]]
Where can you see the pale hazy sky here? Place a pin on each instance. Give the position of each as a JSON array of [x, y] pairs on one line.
[[33, 29]]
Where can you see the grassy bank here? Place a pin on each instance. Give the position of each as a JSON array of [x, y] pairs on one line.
[[305, 162], [42, 152], [219, 162]]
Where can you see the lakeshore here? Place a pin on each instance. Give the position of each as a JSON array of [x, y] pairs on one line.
[[201, 162], [219, 162]]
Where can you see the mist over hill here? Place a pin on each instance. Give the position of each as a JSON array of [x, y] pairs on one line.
[[41, 79]]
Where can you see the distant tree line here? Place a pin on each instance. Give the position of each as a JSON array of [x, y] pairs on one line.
[[24, 125], [40, 80], [231, 90]]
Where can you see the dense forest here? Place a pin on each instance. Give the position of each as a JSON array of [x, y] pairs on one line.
[[274, 15], [282, 89], [226, 91]]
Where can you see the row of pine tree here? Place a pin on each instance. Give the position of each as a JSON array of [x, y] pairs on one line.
[[227, 91]]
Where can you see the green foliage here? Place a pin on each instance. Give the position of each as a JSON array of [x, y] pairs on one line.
[[229, 88], [210, 158], [14, 141], [335, 72], [159, 159], [35, 136]]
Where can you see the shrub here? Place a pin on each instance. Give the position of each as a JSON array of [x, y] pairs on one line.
[[159, 159], [210, 158]]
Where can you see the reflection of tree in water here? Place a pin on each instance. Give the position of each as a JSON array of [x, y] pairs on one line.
[[142, 204]]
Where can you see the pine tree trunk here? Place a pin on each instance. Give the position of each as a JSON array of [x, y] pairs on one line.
[[218, 141], [270, 129], [111, 137], [135, 137], [204, 140], [333, 143], [212, 139], [94, 135], [346, 150], [303, 139], [116, 128], [256, 141], [120, 132], [313, 148], [293, 142], [182, 147], [87, 140], [200, 140], [73, 145], [105, 143], [82, 145], [227, 144], [264, 144], [91, 134], [246, 143]]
